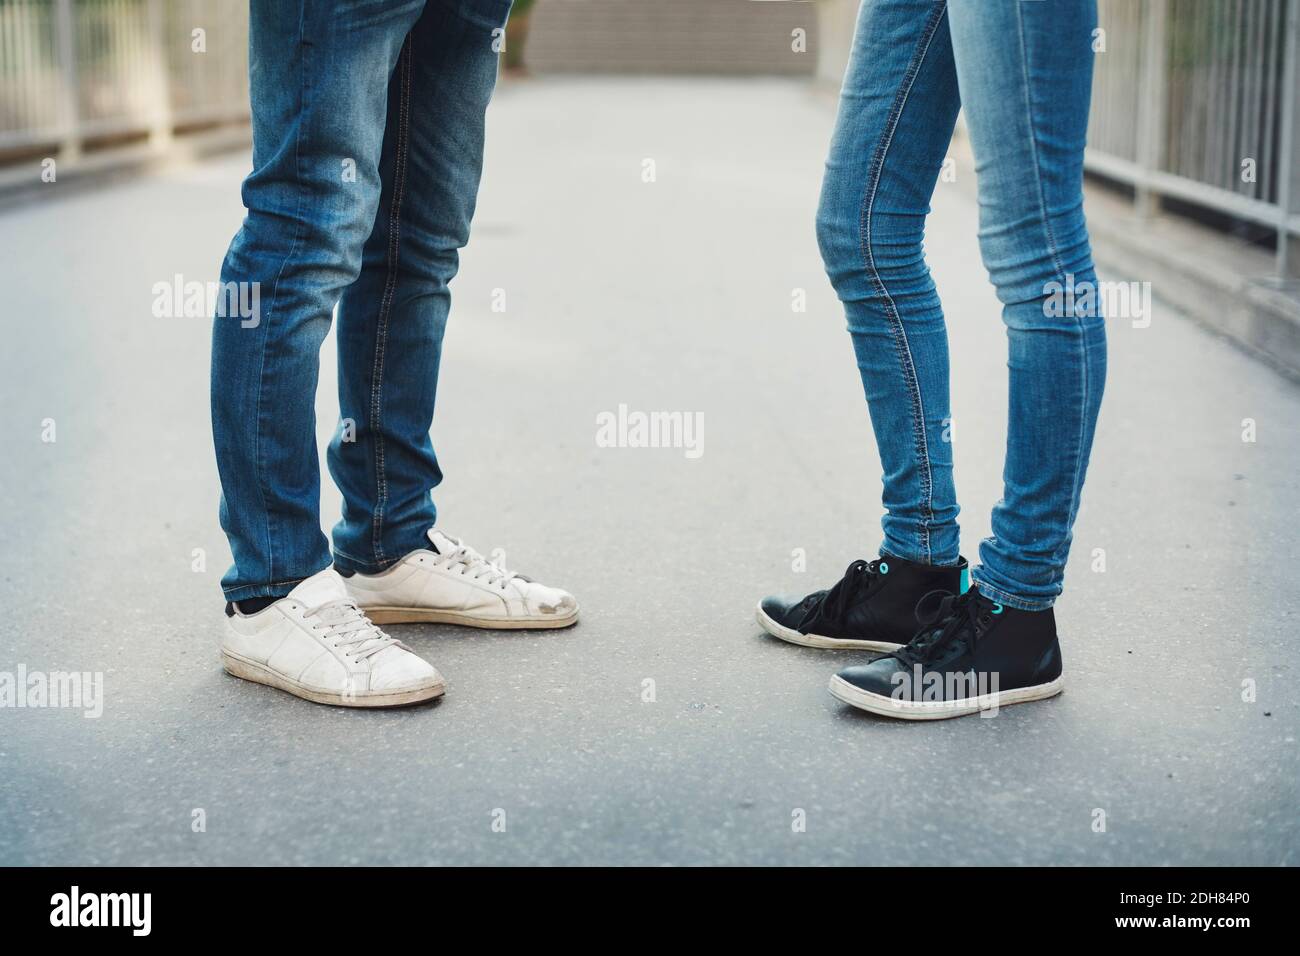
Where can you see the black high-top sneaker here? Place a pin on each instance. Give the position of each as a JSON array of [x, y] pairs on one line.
[[974, 655], [873, 606]]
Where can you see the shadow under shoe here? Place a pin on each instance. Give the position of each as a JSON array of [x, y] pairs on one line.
[[974, 655], [872, 607]]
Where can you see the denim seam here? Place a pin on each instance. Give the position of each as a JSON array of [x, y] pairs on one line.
[[386, 305], [899, 333], [1060, 272], [303, 90]]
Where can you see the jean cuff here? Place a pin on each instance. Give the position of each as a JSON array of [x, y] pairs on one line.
[[1009, 600], [916, 558], [349, 564], [277, 590]]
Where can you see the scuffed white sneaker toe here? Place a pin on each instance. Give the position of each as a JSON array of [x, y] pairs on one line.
[[451, 583], [543, 601]]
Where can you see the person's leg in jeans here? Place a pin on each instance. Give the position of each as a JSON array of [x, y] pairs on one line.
[[319, 76], [898, 107], [391, 320], [391, 324], [319, 73], [1025, 70], [369, 125], [897, 112]]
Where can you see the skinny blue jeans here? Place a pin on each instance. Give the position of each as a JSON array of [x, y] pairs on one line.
[[1022, 70]]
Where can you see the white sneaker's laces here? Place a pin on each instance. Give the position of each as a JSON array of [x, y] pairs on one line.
[[475, 566], [348, 629]]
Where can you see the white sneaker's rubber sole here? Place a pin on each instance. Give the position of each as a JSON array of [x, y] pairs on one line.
[[425, 615], [816, 640], [938, 709], [261, 674]]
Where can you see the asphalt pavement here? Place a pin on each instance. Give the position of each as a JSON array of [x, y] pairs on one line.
[[665, 728]]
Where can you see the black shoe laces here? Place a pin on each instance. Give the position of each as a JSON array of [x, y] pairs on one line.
[[857, 580], [959, 618]]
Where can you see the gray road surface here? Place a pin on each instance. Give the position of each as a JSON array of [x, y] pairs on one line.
[[671, 295]]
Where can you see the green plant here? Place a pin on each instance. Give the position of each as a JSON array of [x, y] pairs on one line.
[[521, 8]]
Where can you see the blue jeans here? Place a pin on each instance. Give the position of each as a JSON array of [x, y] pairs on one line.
[[368, 126], [1023, 71]]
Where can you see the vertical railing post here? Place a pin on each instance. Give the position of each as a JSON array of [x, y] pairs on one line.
[[160, 125], [65, 39], [1288, 187], [1153, 97]]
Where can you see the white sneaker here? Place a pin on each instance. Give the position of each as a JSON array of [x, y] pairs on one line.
[[317, 644], [453, 584]]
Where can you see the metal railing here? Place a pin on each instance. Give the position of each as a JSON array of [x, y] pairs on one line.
[[73, 72], [1196, 100]]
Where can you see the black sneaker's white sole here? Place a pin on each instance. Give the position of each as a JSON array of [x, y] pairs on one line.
[[938, 709], [817, 640]]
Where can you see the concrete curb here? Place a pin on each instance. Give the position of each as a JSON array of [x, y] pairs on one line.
[[1207, 282], [21, 183]]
